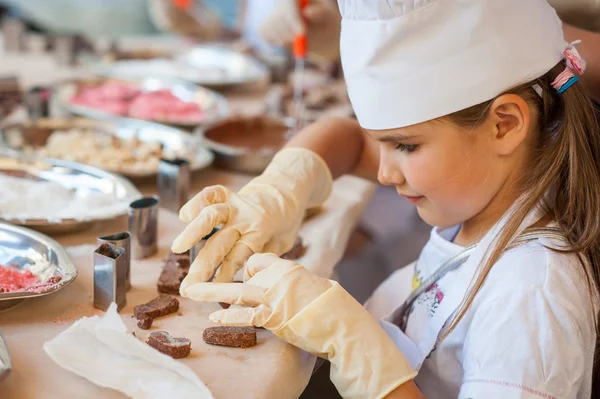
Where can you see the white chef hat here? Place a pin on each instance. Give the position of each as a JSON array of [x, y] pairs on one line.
[[410, 61]]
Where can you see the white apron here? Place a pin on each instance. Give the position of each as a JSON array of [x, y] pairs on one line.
[[388, 297]]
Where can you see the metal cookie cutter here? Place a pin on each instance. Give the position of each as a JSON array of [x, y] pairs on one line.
[[5, 364], [173, 183], [121, 240], [37, 101], [110, 284], [143, 226], [65, 50], [13, 30]]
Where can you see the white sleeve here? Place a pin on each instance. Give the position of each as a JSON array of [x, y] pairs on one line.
[[523, 345]]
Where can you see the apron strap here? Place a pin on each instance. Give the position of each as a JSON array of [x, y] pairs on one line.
[[400, 316]]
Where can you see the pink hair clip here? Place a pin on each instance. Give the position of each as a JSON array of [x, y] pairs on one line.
[[574, 60], [575, 63]]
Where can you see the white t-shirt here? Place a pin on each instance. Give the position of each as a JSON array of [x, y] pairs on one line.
[[529, 333]]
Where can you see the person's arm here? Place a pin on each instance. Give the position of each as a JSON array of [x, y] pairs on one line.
[[590, 51], [410, 390], [343, 144]]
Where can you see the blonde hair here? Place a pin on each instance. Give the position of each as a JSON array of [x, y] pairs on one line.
[[565, 162]]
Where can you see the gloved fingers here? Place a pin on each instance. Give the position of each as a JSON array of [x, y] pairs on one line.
[[242, 317], [256, 240], [284, 242], [233, 262], [210, 257], [266, 270], [231, 293], [257, 263], [209, 218], [208, 196], [275, 246]]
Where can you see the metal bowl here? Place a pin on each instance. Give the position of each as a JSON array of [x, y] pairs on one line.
[[44, 257], [176, 143], [209, 65], [213, 104], [74, 176], [234, 154]]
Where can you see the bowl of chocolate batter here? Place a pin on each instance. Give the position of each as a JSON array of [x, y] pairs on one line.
[[246, 144]]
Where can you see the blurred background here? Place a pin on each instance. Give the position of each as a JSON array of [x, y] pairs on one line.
[[47, 43]]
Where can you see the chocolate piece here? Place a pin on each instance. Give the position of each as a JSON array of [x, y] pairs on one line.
[[145, 323], [226, 305], [297, 250], [241, 337], [169, 345], [160, 306], [182, 260], [176, 268], [109, 251], [170, 278]]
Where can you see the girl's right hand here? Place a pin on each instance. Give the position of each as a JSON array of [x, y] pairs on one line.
[[264, 216], [316, 315]]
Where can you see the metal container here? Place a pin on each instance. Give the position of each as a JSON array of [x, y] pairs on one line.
[[65, 50], [175, 143], [37, 101], [5, 363], [173, 183], [80, 179], [143, 226], [121, 240], [13, 30], [237, 157], [33, 251], [214, 106], [110, 276]]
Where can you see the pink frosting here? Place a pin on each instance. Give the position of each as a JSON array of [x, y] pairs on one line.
[[12, 279], [125, 100]]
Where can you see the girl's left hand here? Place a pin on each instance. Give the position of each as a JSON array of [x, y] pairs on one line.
[[316, 315]]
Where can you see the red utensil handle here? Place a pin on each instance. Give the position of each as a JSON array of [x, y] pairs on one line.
[[182, 4], [300, 42]]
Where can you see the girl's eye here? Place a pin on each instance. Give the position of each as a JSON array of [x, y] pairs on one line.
[[407, 147]]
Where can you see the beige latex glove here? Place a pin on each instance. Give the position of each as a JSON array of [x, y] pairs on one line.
[[316, 315], [323, 27], [584, 14], [264, 216]]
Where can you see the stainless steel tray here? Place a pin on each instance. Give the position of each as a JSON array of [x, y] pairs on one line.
[[176, 143], [71, 175], [213, 104], [44, 257], [212, 66]]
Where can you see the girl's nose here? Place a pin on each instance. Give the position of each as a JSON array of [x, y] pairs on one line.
[[389, 173]]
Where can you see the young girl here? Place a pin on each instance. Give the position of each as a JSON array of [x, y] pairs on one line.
[[472, 110]]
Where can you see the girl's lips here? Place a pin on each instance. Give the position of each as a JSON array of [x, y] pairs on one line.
[[413, 200]]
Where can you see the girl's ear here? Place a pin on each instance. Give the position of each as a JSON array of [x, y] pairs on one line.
[[509, 118]]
